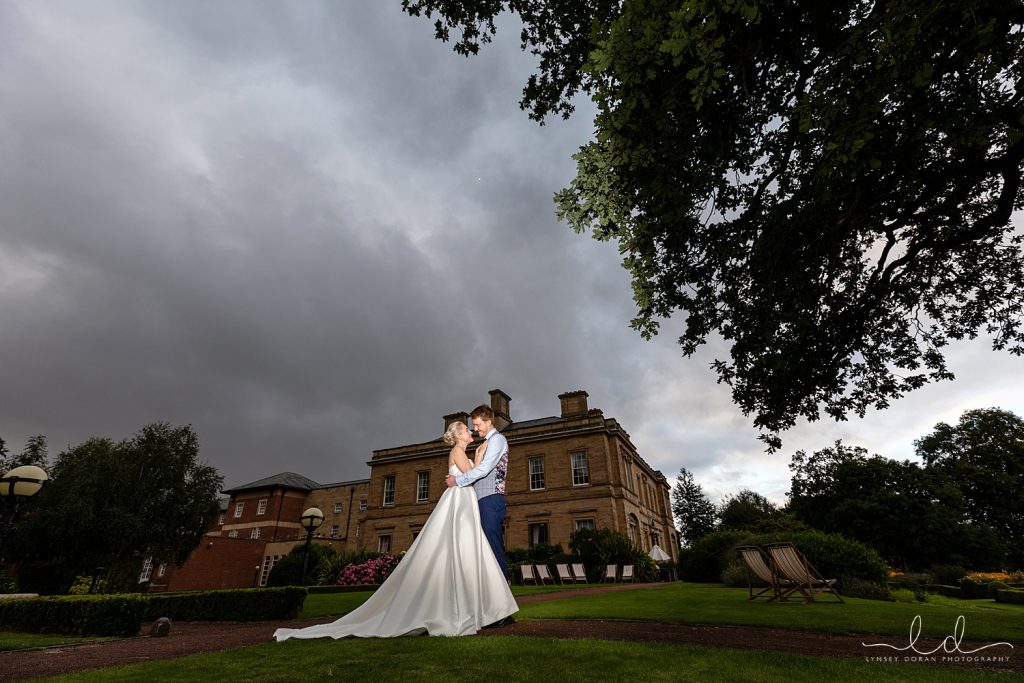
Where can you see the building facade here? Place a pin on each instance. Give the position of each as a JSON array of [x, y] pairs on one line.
[[576, 470]]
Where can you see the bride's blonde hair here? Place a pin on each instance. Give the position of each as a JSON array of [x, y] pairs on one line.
[[449, 434]]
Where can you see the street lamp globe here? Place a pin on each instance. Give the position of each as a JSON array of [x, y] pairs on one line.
[[311, 519], [22, 482], [17, 485]]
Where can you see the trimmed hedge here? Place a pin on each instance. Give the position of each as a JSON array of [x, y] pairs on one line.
[[1012, 596], [123, 615], [343, 588], [76, 615], [939, 589], [835, 556], [248, 604]]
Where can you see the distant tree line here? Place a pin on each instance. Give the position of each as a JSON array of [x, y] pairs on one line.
[[111, 505], [963, 504]]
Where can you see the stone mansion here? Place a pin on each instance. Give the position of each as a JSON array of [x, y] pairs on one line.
[[576, 470]]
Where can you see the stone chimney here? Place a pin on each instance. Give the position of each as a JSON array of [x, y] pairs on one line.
[[462, 417], [574, 403], [499, 404]]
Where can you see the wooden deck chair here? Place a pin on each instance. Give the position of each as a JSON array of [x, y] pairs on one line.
[[526, 570], [627, 573], [563, 573], [611, 573], [758, 565], [792, 566], [543, 574], [579, 574]]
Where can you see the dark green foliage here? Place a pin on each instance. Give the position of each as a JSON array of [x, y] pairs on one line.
[[695, 514], [339, 588], [288, 570], [747, 510], [706, 558], [542, 553], [983, 456], [251, 604], [1010, 596], [736, 576], [834, 556], [113, 504], [913, 516], [940, 589], [828, 186], [947, 574], [86, 615], [993, 587], [973, 590], [869, 590], [35, 453], [597, 548]]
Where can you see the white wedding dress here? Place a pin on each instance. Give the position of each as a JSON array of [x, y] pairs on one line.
[[448, 583]]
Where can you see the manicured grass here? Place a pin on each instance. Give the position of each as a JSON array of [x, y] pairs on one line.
[[541, 659], [515, 659], [17, 641], [695, 603]]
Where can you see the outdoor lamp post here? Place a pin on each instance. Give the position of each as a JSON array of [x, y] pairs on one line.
[[311, 519], [15, 486]]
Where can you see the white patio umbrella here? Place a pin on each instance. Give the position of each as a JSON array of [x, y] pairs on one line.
[[658, 554]]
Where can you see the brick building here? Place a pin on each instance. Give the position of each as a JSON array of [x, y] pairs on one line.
[[576, 470]]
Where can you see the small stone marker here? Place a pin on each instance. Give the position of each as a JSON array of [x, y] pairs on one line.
[[161, 628]]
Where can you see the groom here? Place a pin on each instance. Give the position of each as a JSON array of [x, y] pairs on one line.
[[488, 478]]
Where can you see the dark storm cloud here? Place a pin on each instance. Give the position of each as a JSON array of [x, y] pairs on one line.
[[311, 230]]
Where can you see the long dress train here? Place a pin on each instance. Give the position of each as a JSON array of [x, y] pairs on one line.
[[448, 583]]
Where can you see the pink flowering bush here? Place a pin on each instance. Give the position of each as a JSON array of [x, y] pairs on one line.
[[372, 571]]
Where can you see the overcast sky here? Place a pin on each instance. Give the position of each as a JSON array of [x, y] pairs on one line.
[[310, 230]]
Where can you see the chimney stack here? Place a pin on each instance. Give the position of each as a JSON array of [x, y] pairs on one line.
[[462, 417], [574, 403], [499, 404]]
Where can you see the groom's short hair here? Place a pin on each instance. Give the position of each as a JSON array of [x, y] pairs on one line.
[[484, 412]]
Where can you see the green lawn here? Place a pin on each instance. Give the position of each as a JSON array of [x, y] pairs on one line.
[[542, 659], [533, 660], [18, 641], [695, 603]]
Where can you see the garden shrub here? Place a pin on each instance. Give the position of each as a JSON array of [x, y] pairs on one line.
[[1011, 596], [973, 590], [993, 587], [288, 570], [704, 560], [374, 571], [939, 589], [79, 615], [247, 604], [735, 576], [835, 556], [597, 548], [869, 590], [946, 574], [340, 588], [541, 553]]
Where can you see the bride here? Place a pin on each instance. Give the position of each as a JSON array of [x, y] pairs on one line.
[[448, 583]]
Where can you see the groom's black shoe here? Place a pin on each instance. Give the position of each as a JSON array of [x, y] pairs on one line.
[[504, 622]]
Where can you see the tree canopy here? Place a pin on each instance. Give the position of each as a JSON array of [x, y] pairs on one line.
[[828, 187], [695, 514], [110, 504], [912, 515], [983, 456]]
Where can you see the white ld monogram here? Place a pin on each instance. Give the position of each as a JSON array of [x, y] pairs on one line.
[[949, 645]]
